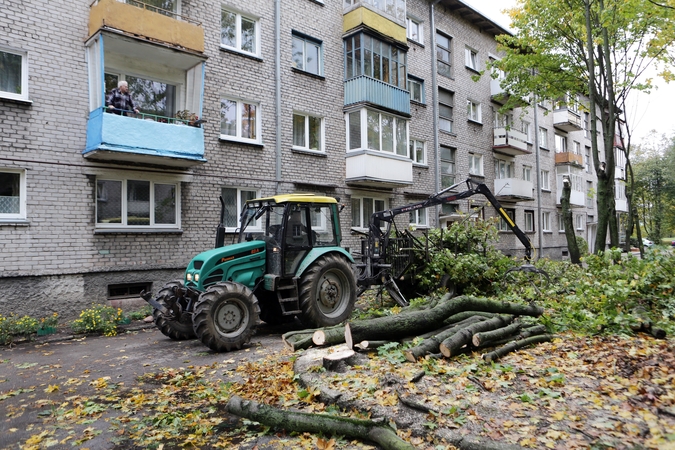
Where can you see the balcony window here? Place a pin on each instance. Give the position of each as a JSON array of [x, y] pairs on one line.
[[378, 131], [475, 164], [366, 55], [13, 74], [238, 32], [504, 169], [151, 97], [414, 30], [128, 203], [235, 199], [418, 151], [502, 120], [525, 128], [473, 111], [447, 166], [418, 218], [471, 58], [502, 225], [444, 55], [394, 8], [416, 88], [307, 54], [12, 194], [576, 147], [364, 207], [166, 7], [307, 132], [446, 103], [560, 143], [239, 120]]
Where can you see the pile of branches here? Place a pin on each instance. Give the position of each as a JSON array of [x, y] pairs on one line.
[[450, 327]]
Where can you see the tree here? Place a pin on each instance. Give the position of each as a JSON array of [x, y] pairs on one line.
[[599, 48]]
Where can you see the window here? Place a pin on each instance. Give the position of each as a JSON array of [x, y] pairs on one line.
[[235, 199], [416, 88], [307, 54], [130, 290], [307, 132], [366, 55], [586, 126], [579, 221], [395, 8], [446, 103], [13, 74], [527, 173], [502, 120], [543, 138], [418, 151], [560, 143], [165, 7], [525, 128], [418, 218], [12, 194], [546, 221], [375, 130], [475, 164], [238, 32], [447, 166], [444, 55], [414, 30], [545, 182], [449, 208], [137, 203], [589, 194], [473, 111], [502, 225], [239, 120], [528, 226], [150, 96], [363, 208], [504, 169], [471, 58], [576, 147], [587, 159]]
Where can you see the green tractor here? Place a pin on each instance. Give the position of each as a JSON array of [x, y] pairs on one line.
[[287, 263]]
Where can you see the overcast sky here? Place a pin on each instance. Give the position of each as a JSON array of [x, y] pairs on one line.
[[646, 113]]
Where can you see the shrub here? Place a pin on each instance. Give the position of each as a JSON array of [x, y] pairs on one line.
[[12, 326], [98, 319]]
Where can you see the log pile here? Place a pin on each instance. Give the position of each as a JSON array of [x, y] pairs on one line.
[[448, 328]]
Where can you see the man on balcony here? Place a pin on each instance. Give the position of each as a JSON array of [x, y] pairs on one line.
[[119, 100]]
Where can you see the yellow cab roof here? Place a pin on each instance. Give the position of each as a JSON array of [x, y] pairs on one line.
[[295, 198]]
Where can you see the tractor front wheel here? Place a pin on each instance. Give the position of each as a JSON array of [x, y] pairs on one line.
[[178, 330], [226, 316], [327, 292]]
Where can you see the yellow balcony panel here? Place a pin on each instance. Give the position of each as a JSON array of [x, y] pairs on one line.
[[144, 22], [364, 16]]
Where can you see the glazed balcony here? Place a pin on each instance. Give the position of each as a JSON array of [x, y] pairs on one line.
[[135, 18], [569, 158], [145, 139], [510, 142], [577, 195], [378, 169], [389, 23], [513, 190], [566, 119], [365, 89]]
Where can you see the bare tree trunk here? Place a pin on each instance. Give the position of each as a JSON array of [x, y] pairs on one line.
[[572, 246]]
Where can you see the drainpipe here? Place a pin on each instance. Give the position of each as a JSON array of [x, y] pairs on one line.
[[434, 104], [540, 231], [277, 91]]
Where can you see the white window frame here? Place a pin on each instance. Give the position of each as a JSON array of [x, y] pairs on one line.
[[240, 206], [528, 222], [561, 223], [474, 111], [527, 173], [124, 180], [471, 58], [412, 81], [364, 129], [322, 147], [526, 128], [411, 25], [546, 221], [543, 138], [587, 159], [414, 143], [476, 164], [560, 143], [545, 180], [509, 167], [363, 221], [419, 218], [23, 95], [238, 128], [576, 147], [307, 40], [21, 215], [238, 43], [579, 222]]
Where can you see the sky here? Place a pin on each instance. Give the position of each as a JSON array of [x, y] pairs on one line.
[[646, 112]]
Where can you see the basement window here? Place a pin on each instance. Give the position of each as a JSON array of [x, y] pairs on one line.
[[129, 290]]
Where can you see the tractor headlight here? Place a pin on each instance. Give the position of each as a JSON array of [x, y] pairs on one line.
[[188, 276], [197, 277]]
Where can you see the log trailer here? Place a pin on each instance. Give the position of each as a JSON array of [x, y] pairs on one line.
[[288, 263]]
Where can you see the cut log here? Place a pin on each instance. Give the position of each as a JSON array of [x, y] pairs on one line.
[[370, 345], [298, 341], [369, 430], [450, 346], [419, 322], [410, 403], [432, 343], [524, 333], [516, 345], [493, 335], [337, 362], [466, 314], [329, 336]]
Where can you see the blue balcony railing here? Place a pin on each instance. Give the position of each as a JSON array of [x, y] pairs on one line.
[[378, 93], [146, 138]]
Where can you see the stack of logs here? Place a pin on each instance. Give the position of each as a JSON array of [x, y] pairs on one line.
[[447, 328]]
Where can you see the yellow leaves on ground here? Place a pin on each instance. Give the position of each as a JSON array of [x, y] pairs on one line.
[[52, 388]]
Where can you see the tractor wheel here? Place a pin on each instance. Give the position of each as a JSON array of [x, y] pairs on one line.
[[178, 330], [327, 292], [226, 316]]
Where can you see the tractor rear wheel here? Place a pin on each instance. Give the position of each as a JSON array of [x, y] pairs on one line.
[[226, 316], [178, 330], [327, 292]]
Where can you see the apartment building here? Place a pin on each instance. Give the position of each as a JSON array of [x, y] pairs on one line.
[[375, 102]]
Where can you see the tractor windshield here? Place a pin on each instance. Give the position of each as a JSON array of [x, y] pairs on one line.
[[258, 221]]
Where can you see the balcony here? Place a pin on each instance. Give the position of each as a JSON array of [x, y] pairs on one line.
[[577, 195], [510, 142], [143, 141], [513, 190], [566, 119], [621, 205], [378, 169], [569, 158], [137, 19], [364, 16], [499, 95], [369, 90]]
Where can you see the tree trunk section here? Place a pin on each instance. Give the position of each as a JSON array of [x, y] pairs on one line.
[[500, 333], [516, 345], [329, 336], [431, 344], [451, 346], [575, 256], [524, 333], [369, 430]]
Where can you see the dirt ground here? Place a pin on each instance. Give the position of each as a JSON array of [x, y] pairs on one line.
[[573, 393]]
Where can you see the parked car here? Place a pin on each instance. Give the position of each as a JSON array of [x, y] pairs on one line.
[[647, 243], [673, 243]]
